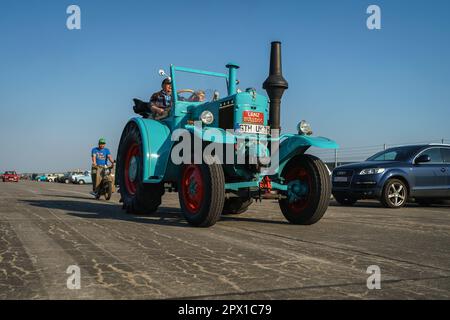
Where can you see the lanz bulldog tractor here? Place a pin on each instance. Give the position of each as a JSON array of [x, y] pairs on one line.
[[260, 163]]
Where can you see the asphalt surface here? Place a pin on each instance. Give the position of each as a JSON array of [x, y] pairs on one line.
[[47, 227]]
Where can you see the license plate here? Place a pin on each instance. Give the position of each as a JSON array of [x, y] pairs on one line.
[[253, 117], [340, 179], [254, 128]]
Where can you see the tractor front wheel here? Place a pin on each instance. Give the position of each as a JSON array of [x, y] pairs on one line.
[[137, 197], [201, 190], [309, 190]]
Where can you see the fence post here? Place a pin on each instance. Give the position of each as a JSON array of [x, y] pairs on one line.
[[335, 157]]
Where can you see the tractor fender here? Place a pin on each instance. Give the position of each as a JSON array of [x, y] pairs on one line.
[[156, 147], [295, 144]]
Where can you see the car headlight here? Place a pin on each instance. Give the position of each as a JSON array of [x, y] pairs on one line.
[[304, 128], [207, 117], [372, 171]]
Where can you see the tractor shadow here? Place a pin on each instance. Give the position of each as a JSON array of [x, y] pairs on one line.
[[112, 211], [239, 218], [169, 216]]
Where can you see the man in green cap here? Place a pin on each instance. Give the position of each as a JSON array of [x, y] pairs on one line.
[[100, 156]]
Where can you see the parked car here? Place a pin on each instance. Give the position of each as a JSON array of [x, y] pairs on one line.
[[51, 177], [74, 175], [58, 176], [395, 175], [41, 177], [83, 178], [10, 176], [67, 177]]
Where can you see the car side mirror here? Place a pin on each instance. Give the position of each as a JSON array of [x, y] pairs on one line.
[[422, 159]]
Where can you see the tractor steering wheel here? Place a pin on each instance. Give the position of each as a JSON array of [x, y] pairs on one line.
[[185, 91], [192, 98]]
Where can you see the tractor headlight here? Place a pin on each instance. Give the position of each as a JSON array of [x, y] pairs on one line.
[[304, 128], [372, 171], [207, 117]]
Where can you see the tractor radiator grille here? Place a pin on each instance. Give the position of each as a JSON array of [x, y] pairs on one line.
[[226, 117]]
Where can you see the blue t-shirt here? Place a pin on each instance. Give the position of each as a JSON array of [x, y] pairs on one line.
[[101, 155]]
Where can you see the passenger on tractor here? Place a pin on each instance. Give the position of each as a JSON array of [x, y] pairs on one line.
[[161, 101], [100, 156], [198, 96]]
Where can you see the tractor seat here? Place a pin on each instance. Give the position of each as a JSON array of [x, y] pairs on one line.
[[142, 108]]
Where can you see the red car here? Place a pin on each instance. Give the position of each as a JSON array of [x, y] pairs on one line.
[[10, 176]]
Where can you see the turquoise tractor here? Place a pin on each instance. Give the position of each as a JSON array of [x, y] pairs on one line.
[[222, 151]]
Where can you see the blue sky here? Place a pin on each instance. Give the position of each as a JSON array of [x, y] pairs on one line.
[[61, 90]]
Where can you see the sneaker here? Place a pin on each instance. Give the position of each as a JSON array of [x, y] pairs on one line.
[[93, 193]]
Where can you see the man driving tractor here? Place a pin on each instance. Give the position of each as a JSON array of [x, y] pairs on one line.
[[161, 101], [100, 156]]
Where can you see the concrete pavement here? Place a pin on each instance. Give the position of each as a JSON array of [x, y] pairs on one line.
[[47, 227]]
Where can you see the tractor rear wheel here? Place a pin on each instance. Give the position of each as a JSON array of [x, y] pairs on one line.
[[201, 190], [137, 197], [236, 205], [309, 190]]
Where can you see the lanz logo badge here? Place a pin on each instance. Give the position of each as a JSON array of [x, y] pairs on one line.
[[253, 117]]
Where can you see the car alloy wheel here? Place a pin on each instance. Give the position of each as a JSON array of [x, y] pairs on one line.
[[397, 194]]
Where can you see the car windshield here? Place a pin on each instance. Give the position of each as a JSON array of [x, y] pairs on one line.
[[10, 172], [395, 154], [194, 87]]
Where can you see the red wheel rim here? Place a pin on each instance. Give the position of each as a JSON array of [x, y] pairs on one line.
[[131, 160], [192, 188], [301, 175]]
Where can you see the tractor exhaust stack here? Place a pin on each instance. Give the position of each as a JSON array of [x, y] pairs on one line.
[[275, 85]]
